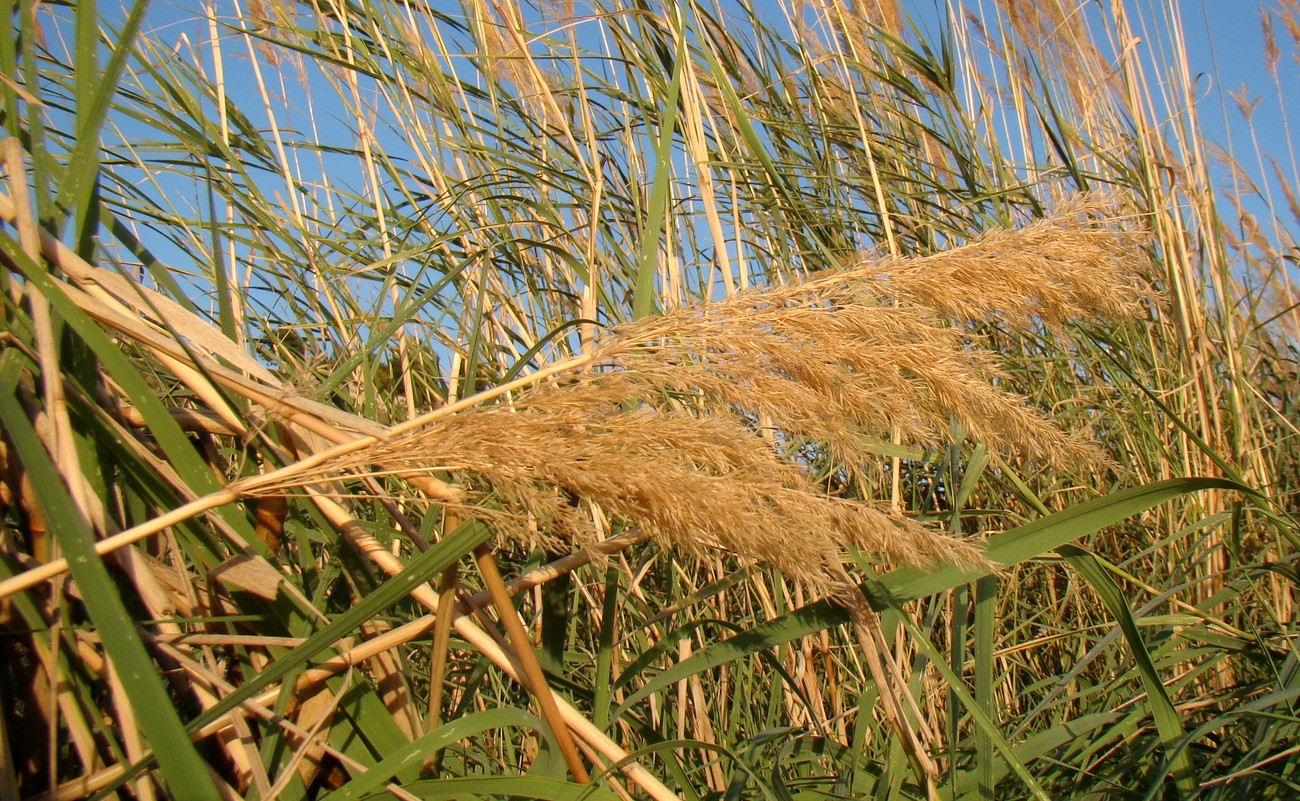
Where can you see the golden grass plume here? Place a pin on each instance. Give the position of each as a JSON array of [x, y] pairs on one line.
[[687, 424]]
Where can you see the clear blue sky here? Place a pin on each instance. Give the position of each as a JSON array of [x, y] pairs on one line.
[[1225, 48], [1224, 41]]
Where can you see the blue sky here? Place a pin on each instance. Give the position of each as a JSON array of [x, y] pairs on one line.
[[1225, 48], [1224, 42], [1228, 46]]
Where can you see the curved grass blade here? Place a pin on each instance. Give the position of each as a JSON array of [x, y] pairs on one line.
[[1167, 720], [1010, 548], [1081, 729], [537, 787], [413, 754]]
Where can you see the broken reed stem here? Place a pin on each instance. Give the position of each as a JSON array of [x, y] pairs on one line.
[[508, 663], [536, 680], [567, 564]]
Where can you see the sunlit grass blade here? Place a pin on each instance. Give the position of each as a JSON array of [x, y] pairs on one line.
[[1167, 719], [96, 88], [411, 755]]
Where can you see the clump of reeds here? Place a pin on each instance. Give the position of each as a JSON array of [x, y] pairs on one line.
[[687, 424]]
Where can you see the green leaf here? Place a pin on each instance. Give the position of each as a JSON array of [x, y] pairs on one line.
[[183, 771], [507, 787], [1168, 722], [643, 299], [95, 90], [412, 755], [1010, 548]]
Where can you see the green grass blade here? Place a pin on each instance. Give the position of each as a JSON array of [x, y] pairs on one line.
[[1008, 549], [605, 654], [537, 787], [182, 769], [95, 89], [643, 299], [986, 597], [1168, 722], [410, 756], [1091, 728]]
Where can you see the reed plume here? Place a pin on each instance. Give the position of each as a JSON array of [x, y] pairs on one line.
[[688, 424]]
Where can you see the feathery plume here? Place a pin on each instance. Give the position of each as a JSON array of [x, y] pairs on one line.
[[662, 429]]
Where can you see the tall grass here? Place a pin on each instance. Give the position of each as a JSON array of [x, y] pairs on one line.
[[712, 327]]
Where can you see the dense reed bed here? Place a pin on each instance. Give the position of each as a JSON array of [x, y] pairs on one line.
[[616, 401]]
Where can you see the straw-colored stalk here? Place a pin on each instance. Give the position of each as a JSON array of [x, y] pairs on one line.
[[658, 425]]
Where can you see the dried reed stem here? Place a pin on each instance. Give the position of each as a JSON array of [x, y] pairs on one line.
[[889, 684], [532, 671], [509, 663]]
